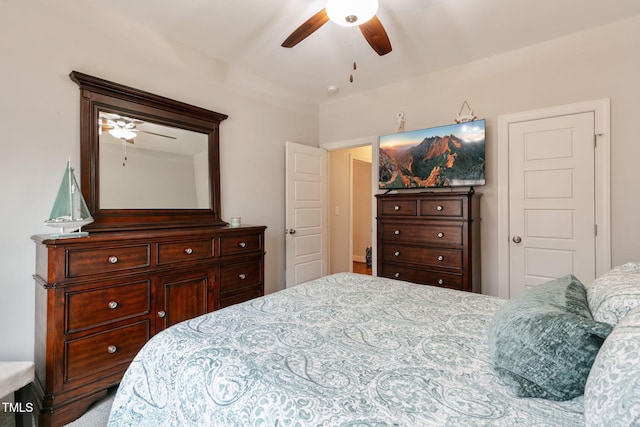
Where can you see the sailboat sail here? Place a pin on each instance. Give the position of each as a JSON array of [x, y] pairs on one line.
[[70, 211]]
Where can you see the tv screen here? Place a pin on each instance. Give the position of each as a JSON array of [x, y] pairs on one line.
[[444, 156]]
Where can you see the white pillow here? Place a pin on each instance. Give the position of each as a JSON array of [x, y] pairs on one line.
[[612, 295], [612, 391]]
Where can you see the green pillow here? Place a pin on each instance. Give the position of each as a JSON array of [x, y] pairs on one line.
[[544, 341]]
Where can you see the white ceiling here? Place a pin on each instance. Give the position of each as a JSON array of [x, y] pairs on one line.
[[426, 35]]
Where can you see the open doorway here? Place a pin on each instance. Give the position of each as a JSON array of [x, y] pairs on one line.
[[350, 207]]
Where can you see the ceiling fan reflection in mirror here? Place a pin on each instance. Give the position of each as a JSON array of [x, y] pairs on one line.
[[124, 128], [348, 13]]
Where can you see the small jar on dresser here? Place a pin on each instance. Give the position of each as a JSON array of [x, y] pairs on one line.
[[430, 238]]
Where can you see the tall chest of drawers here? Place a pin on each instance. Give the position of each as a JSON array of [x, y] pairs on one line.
[[431, 238], [100, 298]]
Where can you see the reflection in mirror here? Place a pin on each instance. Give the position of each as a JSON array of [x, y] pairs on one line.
[[146, 165]]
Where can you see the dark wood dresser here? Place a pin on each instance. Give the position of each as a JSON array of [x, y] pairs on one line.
[[100, 298], [431, 238]]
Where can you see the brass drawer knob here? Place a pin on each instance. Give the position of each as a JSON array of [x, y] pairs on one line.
[[440, 235], [440, 258], [396, 208], [242, 276], [162, 313], [242, 244], [113, 304], [397, 253], [188, 251], [396, 275], [112, 349], [113, 259], [439, 207], [396, 232]]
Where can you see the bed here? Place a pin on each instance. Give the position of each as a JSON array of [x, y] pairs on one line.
[[343, 350]]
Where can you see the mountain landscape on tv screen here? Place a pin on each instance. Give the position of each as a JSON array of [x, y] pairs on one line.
[[438, 161]]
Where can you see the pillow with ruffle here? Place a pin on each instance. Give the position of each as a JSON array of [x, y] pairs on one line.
[[612, 392], [544, 341], [612, 295]]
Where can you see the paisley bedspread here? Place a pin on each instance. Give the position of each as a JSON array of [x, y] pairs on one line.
[[343, 350]]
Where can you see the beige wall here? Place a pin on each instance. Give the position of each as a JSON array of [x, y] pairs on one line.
[[40, 44], [339, 205], [600, 63], [362, 200]]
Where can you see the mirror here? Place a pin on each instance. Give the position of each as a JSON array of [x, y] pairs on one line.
[[144, 165], [146, 161]]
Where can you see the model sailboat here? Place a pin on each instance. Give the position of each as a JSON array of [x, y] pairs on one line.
[[70, 212]]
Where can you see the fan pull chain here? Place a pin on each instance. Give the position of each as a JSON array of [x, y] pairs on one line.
[[124, 152], [355, 66]]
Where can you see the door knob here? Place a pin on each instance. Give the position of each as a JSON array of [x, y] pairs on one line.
[[517, 239], [290, 231]]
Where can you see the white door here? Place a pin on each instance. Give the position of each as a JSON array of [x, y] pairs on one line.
[[306, 211], [551, 200]]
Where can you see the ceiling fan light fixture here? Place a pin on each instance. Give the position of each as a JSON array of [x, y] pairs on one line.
[[350, 13], [122, 133]]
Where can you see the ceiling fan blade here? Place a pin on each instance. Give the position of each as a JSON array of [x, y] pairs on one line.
[[153, 133], [375, 34], [306, 29]]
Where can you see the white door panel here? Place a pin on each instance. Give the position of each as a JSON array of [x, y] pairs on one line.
[[551, 199], [305, 271], [306, 218], [550, 223]]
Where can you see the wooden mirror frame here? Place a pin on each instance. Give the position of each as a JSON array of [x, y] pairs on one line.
[[101, 95]]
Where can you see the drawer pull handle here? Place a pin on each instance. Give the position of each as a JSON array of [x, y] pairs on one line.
[[440, 282], [396, 275], [396, 232], [440, 258], [113, 304], [113, 259], [242, 276], [242, 244], [397, 253], [439, 207], [162, 314], [112, 349], [188, 251], [441, 235], [396, 207]]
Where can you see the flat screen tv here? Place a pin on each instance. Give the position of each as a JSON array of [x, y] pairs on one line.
[[444, 156]]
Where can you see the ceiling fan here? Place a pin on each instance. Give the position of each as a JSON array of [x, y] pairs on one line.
[[124, 128], [348, 13]]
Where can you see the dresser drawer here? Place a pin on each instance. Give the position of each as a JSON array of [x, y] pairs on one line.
[[85, 262], [423, 234], [100, 352], [230, 245], [89, 308], [398, 208], [248, 294], [417, 275], [440, 208], [435, 257], [236, 277], [187, 250]]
